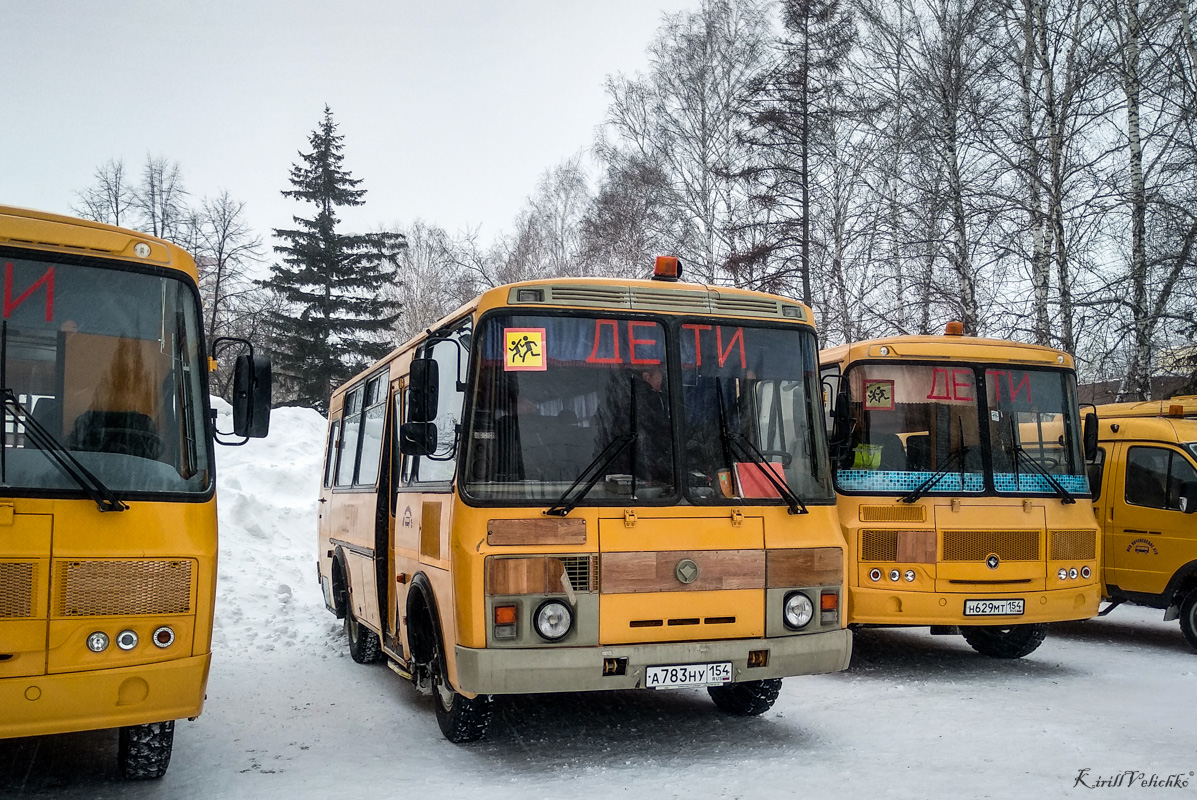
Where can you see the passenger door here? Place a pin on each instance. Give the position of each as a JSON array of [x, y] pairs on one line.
[[1150, 536]]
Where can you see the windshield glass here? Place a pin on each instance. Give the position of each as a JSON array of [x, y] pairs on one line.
[[107, 361], [750, 395], [907, 425], [1035, 412], [554, 393], [912, 426]]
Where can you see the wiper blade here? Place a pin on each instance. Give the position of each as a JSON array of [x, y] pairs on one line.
[[1065, 497], [61, 457], [600, 463], [927, 485], [750, 453]]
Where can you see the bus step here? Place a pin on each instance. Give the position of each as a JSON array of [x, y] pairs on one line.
[[399, 669]]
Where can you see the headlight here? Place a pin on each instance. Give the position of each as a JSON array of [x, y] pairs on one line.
[[97, 642], [797, 611], [127, 640], [553, 620], [1062, 574]]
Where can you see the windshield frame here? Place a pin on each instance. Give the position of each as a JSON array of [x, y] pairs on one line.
[[201, 403], [980, 370], [671, 326]]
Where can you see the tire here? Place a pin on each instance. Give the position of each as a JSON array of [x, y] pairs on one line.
[[462, 719], [746, 699], [1008, 641], [1188, 618], [144, 750], [363, 642]]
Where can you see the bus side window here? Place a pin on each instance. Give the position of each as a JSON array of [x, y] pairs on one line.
[[351, 426], [442, 465], [1146, 476], [1097, 469], [330, 452]]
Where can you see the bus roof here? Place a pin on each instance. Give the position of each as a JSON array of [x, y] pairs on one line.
[[1174, 430], [963, 348], [55, 233], [612, 294], [1180, 406]]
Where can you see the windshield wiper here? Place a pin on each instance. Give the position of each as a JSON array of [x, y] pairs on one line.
[[747, 451], [600, 463], [1065, 497], [60, 456], [1019, 452], [41, 438], [927, 485]]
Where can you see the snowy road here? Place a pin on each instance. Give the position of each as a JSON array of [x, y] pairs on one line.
[[289, 715], [916, 716]]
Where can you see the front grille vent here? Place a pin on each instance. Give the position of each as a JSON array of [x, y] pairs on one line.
[[878, 545], [17, 588], [896, 513], [1073, 545], [747, 306], [669, 300], [583, 572], [605, 296], [121, 588], [977, 545]]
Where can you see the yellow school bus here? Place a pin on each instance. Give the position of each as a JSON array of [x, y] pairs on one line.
[[585, 484], [1144, 479], [963, 498], [107, 506]]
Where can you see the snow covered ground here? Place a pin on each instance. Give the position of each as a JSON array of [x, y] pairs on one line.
[[290, 715]]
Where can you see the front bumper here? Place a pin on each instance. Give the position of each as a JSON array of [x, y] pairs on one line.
[[580, 669], [887, 607], [95, 699]]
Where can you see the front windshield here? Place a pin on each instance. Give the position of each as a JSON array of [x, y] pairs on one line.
[[1033, 417], [910, 425], [107, 362], [916, 427], [750, 401], [552, 394], [1192, 448]]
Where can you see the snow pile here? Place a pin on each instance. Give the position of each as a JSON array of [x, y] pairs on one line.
[[267, 597]]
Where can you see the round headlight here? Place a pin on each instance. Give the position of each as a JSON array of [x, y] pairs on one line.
[[553, 620], [164, 636], [909, 575], [1072, 573], [97, 642], [127, 640], [798, 610], [894, 575], [1062, 574], [874, 574]]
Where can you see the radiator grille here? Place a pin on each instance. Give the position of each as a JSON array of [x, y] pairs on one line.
[[16, 589], [1073, 545], [878, 545], [902, 513], [583, 572], [977, 545], [121, 588]]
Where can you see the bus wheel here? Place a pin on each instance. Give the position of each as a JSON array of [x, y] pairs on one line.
[[462, 719], [144, 750], [746, 699], [1188, 618], [1010, 641], [363, 642]]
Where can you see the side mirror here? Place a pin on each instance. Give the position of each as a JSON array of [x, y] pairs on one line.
[[1089, 436], [417, 438], [423, 387], [1188, 497], [251, 396]]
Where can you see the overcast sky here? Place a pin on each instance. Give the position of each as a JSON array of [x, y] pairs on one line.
[[450, 109]]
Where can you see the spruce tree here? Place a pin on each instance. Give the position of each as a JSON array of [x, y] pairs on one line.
[[331, 313]]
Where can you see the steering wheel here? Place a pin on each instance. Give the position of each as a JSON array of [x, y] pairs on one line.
[[785, 456]]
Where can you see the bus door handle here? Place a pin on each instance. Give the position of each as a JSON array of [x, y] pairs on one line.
[[322, 500]]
